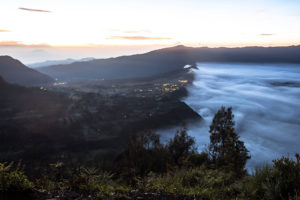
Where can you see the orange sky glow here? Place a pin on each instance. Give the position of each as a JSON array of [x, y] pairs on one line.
[[38, 26]]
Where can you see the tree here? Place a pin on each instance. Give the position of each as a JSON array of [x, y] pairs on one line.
[[181, 146], [226, 151], [143, 154]]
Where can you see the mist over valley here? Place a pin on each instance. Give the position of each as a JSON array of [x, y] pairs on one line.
[[265, 102]]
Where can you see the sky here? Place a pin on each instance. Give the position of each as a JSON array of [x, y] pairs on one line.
[[34, 30]]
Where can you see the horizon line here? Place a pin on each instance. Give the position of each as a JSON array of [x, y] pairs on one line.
[[20, 44]]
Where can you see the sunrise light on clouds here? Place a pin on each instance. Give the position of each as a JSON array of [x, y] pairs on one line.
[[93, 23], [211, 23]]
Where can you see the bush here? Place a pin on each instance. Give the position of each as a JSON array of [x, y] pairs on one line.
[[91, 181], [262, 184], [13, 180], [210, 184], [282, 181], [288, 176], [181, 146], [196, 160], [44, 183], [143, 154]]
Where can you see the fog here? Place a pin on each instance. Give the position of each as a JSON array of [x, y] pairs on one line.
[[265, 101]]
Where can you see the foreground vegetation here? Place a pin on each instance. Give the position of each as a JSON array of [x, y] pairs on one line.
[[149, 169]]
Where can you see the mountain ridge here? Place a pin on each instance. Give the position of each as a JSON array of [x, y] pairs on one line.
[[15, 72], [58, 62], [166, 60]]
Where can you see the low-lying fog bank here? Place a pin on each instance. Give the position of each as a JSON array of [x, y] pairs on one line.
[[265, 101]]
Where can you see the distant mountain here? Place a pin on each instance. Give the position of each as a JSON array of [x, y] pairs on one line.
[[136, 66], [13, 71], [58, 62], [167, 60]]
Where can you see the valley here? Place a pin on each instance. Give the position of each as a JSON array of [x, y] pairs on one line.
[[94, 118]]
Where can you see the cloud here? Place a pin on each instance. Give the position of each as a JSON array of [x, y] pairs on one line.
[[3, 31], [266, 34], [263, 109], [39, 51], [34, 10], [260, 11], [129, 31], [10, 43], [137, 31], [20, 44], [138, 38]]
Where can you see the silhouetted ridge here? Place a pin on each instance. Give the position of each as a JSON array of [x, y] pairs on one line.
[[168, 60], [13, 71]]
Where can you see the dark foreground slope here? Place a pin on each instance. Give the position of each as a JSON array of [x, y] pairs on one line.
[[13, 71], [168, 60], [30, 121]]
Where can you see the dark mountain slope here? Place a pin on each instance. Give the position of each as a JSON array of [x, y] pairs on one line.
[[18, 102], [30, 122], [143, 65], [168, 60], [13, 71]]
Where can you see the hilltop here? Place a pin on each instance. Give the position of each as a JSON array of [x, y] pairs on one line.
[[13, 71]]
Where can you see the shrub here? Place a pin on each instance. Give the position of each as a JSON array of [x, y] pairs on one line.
[[210, 184], [262, 184], [44, 183], [181, 146], [13, 180], [143, 154], [282, 181], [287, 174], [91, 181], [196, 160]]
